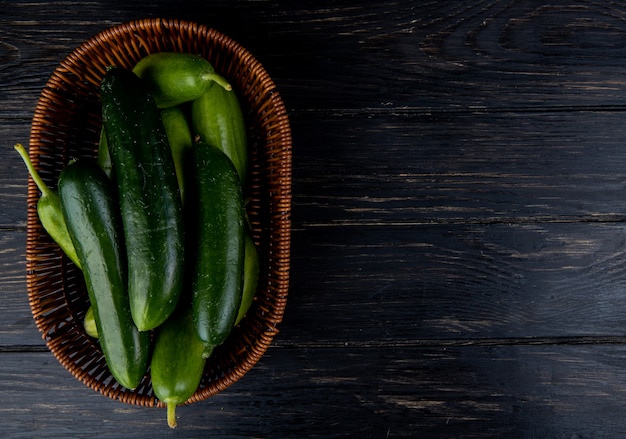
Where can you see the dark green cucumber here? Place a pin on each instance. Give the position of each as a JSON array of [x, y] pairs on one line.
[[215, 204], [104, 159], [217, 119], [49, 210], [250, 276], [178, 135], [173, 78], [177, 362], [150, 203], [90, 207]]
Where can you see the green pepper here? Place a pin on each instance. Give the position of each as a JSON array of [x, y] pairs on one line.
[[173, 77], [49, 210]]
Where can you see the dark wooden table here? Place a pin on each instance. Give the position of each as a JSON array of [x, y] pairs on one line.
[[459, 213]]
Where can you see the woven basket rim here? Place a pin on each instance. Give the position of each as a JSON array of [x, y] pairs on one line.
[[273, 210]]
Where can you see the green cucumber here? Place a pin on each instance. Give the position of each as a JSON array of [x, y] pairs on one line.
[[104, 158], [216, 213], [173, 78], [180, 140], [178, 135], [49, 210], [177, 362], [93, 221], [250, 276], [217, 118], [150, 203]]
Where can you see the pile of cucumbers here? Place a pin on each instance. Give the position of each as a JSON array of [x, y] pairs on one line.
[[157, 223]]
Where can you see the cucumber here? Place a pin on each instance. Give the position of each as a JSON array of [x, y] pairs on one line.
[[90, 207], [89, 323], [143, 170], [178, 135], [250, 276], [217, 119], [216, 213], [177, 362], [103, 158], [180, 140], [173, 78]]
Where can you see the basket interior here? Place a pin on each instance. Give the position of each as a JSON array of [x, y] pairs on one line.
[[66, 125]]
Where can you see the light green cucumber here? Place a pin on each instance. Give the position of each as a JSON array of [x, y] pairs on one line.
[[250, 277], [89, 323], [180, 139], [217, 118]]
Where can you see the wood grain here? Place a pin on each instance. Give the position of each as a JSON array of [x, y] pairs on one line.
[[459, 168], [436, 283], [370, 56]]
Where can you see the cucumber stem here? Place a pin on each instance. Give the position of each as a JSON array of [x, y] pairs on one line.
[[219, 79], [171, 415], [43, 188]]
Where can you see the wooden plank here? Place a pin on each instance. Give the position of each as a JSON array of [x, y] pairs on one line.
[[413, 284], [374, 56], [459, 168], [464, 392]]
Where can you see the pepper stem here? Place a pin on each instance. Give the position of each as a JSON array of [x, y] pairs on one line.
[[219, 79], [45, 190], [171, 415]]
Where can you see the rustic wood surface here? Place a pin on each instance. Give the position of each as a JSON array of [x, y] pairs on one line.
[[459, 213]]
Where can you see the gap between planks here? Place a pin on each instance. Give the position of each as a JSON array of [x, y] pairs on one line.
[[599, 218], [460, 342], [404, 111], [409, 343]]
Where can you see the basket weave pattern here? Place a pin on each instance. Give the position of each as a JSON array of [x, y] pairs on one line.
[[66, 125]]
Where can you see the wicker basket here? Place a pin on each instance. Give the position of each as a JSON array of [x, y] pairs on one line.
[[66, 124]]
